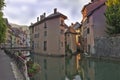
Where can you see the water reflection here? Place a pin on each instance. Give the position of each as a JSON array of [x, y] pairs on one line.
[[57, 68], [73, 68], [52, 68], [100, 70]]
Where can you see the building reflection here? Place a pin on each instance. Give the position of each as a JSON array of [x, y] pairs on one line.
[[52, 68], [57, 68], [100, 70]]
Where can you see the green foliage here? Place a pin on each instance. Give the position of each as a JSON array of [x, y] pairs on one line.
[[112, 15], [2, 4], [2, 23], [2, 28], [33, 68], [68, 50]]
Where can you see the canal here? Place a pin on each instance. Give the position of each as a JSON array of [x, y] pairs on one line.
[[75, 68]]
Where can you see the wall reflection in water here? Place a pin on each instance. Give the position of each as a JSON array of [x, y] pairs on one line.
[[100, 70], [58, 68], [73, 68]]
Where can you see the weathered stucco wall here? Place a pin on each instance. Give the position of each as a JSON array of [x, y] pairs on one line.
[[107, 46]]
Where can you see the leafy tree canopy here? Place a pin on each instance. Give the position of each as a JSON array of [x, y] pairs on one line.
[[2, 23], [112, 15]]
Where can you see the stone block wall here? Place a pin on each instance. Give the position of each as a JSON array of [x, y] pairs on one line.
[[108, 46]]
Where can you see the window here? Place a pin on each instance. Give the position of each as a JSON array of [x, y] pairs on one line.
[[61, 44], [45, 64], [78, 39], [32, 44], [32, 30], [62, 31], [46, 76], [45, 26], [37, 45], [62, 22], [45, 33], [45, 45], [36, 35], [68, 35], [88, 48], [87, 20], [88, 30]]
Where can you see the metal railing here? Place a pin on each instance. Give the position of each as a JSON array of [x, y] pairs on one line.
[[20, 62]]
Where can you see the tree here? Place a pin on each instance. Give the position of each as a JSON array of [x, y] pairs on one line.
[[112, 15], [2, 4], [2, 23]]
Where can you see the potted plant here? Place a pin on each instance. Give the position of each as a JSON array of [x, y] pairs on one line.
[[33, 68]]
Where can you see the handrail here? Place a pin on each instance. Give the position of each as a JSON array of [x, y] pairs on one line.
[[20, 62]]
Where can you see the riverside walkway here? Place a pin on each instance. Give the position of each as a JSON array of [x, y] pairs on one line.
[[8, 70]]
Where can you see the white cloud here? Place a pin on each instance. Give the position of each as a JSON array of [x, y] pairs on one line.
[[21, 1], [25, 11]]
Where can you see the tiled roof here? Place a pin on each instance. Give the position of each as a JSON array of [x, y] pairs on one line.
[[51, 16], [91, 7]]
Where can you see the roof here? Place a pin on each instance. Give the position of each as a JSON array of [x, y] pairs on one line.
[[91, 7], [57, 14], [76, 25], [64, 25], [70, 30], [51, 16]]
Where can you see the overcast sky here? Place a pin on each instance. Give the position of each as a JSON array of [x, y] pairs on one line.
[[26, 11]]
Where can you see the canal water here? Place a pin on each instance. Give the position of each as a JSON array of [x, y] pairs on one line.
[[75, 68]]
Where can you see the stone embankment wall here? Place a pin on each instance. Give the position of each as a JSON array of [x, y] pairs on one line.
[[107, 46]]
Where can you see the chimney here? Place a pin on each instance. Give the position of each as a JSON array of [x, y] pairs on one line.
[[44, 14], [31, 23], [71, 24], [37, 19], [55, 10], [40, 17], [94, 0]]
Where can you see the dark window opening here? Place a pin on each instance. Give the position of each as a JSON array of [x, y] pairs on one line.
[[87, 20], [88, 30], [61, 31], [61, 44], [88, 48], [45, 64], [36, 35], [45, 45], [45, 33], [62, 22], [45, 26]]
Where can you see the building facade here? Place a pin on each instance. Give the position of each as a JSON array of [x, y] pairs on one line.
[[8, 33], [47, 38], [70, 40], [77, 28], [93, 24], [47, 34]]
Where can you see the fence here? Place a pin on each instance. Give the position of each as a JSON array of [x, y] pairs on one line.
[[20, 62]]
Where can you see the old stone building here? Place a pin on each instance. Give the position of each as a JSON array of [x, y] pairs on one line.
[[47, 38], [93, 24], [47, 34]]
